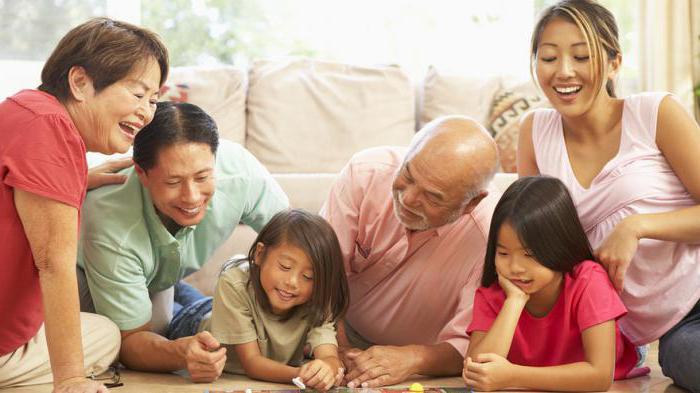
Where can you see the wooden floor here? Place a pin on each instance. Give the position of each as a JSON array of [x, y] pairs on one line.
[[138, 382]]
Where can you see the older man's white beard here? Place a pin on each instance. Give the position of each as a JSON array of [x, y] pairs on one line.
[[422, 224]]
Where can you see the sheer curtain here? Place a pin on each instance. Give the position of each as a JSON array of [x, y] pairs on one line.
[[669, 29]]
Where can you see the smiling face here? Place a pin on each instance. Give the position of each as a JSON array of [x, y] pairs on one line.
[[444, 174], [286, 276], [516, 263], [424, 197], [181, 183], [109, 120], [421, 204], [564, 71]]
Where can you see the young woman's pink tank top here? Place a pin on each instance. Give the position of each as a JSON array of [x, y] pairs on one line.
[[663, 281]]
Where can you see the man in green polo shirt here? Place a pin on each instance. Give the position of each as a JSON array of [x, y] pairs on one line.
[[184, 197]]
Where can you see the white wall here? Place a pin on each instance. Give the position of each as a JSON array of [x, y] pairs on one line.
[[18, 75]]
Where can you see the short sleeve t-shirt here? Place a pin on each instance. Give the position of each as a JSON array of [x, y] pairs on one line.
[[586, 299], [237, 318], [41, 152]]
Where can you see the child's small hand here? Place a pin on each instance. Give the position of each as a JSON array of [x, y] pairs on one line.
[[318, 375], [512, 290], [487, 372]]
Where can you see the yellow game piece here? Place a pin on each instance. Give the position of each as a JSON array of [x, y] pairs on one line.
[[415, 387]]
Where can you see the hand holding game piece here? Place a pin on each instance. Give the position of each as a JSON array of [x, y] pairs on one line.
[[205, 357], [317, 374]]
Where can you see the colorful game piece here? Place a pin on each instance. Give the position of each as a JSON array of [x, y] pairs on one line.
[[298, 383], [416, 387]]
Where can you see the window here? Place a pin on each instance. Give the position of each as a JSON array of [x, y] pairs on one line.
[[489, 37], [30, 29], [475, 36]]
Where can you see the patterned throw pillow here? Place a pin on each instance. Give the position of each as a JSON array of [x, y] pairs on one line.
[[508, 108], [177, 93]]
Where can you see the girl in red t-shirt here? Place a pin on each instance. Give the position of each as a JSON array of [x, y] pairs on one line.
[[545, 316]]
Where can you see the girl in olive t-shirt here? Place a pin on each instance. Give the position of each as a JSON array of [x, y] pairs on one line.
[[294, 292]]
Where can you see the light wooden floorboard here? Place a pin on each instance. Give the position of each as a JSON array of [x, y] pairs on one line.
[[138, 382]]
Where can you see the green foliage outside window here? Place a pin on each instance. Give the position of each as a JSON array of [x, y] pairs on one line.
[[45, 21], [215, 31]]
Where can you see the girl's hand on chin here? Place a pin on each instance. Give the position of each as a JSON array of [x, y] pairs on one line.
[[512, 291]]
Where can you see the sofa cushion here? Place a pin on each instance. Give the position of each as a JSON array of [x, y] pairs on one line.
[[509, 105], [451, 93], [220, 91], [311, 116]]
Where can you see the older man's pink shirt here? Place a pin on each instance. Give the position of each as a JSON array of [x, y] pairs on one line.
[[406, 287]]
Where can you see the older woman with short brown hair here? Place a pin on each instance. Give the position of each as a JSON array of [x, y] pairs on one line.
[[99, 88]]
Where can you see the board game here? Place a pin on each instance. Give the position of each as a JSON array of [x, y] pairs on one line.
[[346, 390]]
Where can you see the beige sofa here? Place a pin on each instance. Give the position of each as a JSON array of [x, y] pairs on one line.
[[303, 119]]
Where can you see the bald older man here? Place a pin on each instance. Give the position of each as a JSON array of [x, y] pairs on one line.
[[413, 224]]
